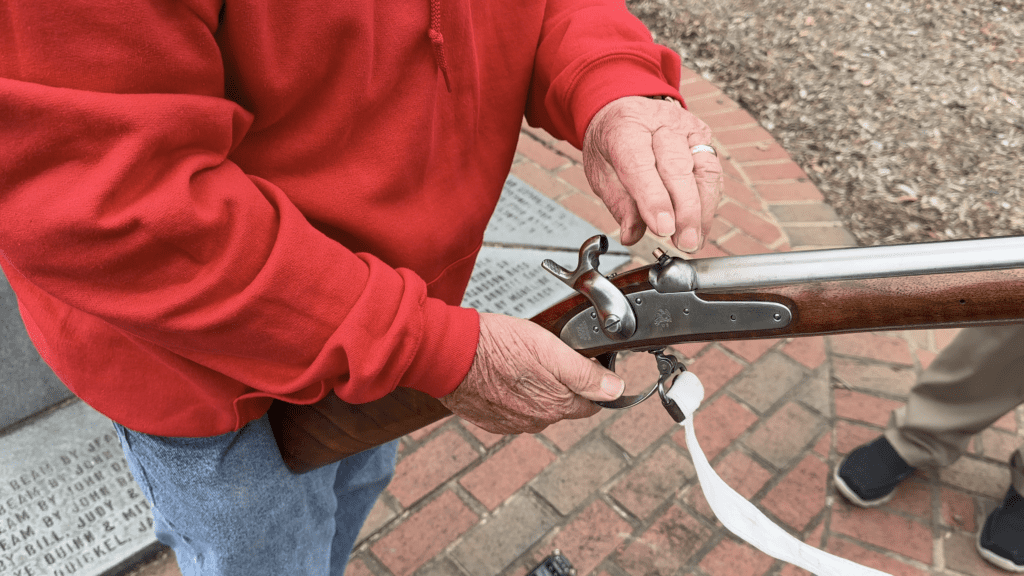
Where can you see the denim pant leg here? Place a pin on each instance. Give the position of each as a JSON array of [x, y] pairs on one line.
[[227, 505], [357, 485]]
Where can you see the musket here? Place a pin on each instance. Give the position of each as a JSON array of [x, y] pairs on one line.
[[954, 283]]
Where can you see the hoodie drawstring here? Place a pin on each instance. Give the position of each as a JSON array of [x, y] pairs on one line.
[[437, 39]]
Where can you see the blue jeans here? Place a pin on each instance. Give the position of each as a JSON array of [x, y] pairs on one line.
[[228, 505]]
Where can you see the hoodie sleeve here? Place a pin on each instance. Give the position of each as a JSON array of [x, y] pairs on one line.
[[118, 200], [590, 53]]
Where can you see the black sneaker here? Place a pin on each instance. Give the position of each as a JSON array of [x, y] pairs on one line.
[[1001, 539], [868, 476]]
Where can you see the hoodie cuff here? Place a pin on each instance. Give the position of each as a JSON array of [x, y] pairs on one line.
[[616, 77], [446, 351]]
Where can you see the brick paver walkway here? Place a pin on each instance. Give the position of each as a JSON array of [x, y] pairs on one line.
[[617, 493]]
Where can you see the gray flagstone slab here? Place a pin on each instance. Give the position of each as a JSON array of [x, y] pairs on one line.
[[27, 385]]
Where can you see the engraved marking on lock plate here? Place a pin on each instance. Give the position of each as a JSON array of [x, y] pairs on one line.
[[662, 318]]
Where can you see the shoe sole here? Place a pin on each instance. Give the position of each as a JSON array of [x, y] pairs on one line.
[[850, 495], [996, 559]]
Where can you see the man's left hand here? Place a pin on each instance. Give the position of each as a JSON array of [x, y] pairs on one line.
[[636, 154]]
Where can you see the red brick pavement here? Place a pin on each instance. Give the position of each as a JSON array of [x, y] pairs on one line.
[[617, 493]]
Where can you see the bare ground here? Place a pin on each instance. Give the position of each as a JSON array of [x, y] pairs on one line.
[[907, 114]]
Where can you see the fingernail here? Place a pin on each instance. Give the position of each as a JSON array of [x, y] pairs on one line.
[[612, 385], [689, 240], [666, 224]]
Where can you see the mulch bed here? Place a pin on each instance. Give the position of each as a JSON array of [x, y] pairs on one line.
[[908, 115]]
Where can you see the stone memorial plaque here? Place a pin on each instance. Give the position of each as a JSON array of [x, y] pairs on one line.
[[525, 217], [526, 229], [68, 504], [511, 281], [27, 385]]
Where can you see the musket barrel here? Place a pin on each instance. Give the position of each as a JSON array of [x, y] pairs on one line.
[[948, 257]]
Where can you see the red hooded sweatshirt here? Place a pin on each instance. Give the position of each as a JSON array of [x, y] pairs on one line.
[[208, 205]]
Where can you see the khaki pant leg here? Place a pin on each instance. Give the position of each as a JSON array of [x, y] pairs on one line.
[[973, 382]]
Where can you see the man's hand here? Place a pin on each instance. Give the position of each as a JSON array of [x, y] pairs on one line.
[[636, 153], [524, 378]]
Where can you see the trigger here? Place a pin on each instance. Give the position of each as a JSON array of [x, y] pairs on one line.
[[607, 360]]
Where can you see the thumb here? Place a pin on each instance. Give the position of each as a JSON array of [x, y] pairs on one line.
[[583, 376], [595, 382]]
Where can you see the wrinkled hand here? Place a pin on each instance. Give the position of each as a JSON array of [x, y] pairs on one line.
[[524, 378], [636, 154]]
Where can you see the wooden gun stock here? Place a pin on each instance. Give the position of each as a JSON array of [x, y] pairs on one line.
[[316, 435]]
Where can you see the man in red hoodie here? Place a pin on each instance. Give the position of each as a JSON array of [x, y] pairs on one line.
[[210, 205]]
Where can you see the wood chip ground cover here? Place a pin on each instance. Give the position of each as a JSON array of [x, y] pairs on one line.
[[908, 115]]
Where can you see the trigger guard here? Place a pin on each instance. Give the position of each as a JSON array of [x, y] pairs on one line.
[[608, 361]]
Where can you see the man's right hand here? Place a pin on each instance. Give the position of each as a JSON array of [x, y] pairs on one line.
[[524, 378]]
